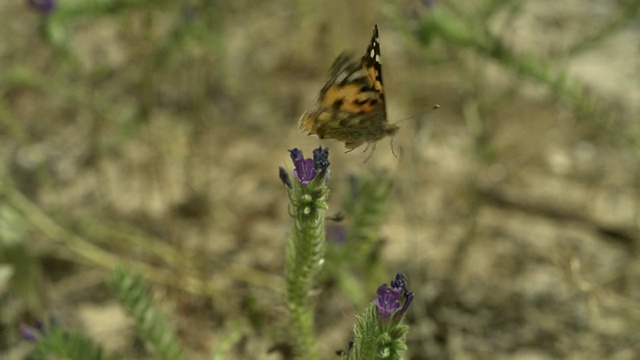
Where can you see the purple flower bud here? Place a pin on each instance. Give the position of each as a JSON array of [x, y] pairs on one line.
[[284, 177], [408, 298], [321, 159], [400, 282], [296, 155]]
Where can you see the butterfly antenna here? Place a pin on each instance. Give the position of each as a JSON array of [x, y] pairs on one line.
[[393, 151], [433, 108]]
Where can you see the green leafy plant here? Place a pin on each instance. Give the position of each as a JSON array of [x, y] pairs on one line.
[[379, 332], [306, 245], [353, 260], [54, 340], [158, 336]]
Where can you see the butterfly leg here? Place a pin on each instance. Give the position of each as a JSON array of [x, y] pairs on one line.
[[373, 149], [351, 146], [392, 149]]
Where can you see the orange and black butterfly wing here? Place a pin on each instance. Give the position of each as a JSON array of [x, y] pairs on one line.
[[371, 61], [351, 106]]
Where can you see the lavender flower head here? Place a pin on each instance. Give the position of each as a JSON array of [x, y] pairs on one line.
[[307, 169], [389, 299], [31, 333], [43, 6]]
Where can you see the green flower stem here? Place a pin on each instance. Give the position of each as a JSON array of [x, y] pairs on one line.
[[305, 254], [367, 207]]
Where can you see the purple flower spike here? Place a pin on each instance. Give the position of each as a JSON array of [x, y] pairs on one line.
[[387, 301], [43, 6], [321, 162], [321, 159]]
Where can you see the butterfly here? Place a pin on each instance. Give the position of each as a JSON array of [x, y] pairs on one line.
[[351, 106]]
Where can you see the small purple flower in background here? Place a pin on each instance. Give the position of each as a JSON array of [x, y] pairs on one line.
[[388, 299], [422, 8], [337, 234], [43, 6], [429, 4], [30, 333]]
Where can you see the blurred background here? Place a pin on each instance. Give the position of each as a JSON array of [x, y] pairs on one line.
[[149, 133]]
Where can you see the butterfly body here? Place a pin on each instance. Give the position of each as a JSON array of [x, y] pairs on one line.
[[351, 105]]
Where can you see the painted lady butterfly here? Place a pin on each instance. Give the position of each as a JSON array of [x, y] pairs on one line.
[[351, 105]]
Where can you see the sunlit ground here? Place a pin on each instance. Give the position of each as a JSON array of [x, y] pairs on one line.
[[150, 134]]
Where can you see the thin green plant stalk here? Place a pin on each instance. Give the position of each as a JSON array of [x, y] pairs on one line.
[[159, 336], [305, 249], [456, 31], [354, 260], [367, 206]]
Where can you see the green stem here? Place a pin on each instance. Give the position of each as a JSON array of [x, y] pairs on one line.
[[305, 254]]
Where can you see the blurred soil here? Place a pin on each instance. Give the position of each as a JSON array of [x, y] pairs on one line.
[[514, 217]]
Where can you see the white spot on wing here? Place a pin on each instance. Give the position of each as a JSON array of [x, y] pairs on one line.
[[362, 73], [341, 76]]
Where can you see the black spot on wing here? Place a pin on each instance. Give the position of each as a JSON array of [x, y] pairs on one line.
[[373, 55]]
